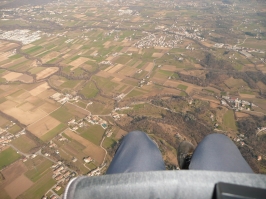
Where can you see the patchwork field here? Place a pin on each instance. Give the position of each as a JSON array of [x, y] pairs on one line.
[[18, 186], [91, 149], [7, 157], [44, 125], [46, 72], [141, 60]]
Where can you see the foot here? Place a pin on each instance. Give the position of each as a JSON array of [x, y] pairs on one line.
[[184, 154]]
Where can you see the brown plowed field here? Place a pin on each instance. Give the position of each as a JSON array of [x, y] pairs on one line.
[[18, 186]]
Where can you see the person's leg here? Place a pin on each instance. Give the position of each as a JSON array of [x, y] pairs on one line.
[[216, 152], [136, 153]]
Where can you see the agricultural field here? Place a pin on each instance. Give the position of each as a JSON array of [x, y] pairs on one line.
[[172, 69], [8, 156]]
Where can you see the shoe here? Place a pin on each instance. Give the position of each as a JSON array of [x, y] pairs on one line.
[[184, 154]]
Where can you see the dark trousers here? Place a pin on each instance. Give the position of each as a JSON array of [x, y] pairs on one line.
[[138, 153]]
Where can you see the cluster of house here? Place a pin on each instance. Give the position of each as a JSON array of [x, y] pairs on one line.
[[97, 171], [7, 137], [63, 98], [163, 41], [242, 50], [240, 138], [125, 12], [237, 103], [116, 115], [75, 124], [120, 97], [94, 119], [109, 134], [24, 36], [61, 173], [139, 71], [107, 63], [145, 82]]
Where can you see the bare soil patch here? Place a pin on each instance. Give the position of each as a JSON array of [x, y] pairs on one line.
[[39, 89], [171, 91], [18, 186], [116, 79], [13, 171], [115, 68], [25, 78], [25, 117], [120, 134], [103, 74], [7, 105], [26, 106], [213, 105], [148, 67], [247, 96], [241, 115], [207, 44], [43, 126], [46, 94], [197, 66], [158, 55], [132, 49], [27, 46], [169, 68], [50, 56], [47, 72], [76, 63], [12, 76], [48, 107]]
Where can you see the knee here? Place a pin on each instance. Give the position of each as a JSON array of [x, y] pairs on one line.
[[136, 135], [216, 138]]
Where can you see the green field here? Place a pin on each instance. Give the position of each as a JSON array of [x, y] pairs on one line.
[[15, 56], [19, 143], [90, 90], [166, 72], [38, 171], [123, 59], [94, 133], [182, 87], [91, 165], [70, 84], [14, 129], [36, 70], [7, 157], [105, 84], [229, 120], [108, 142], [135, 93], [51, 134], [62, 114], [33, 49]]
